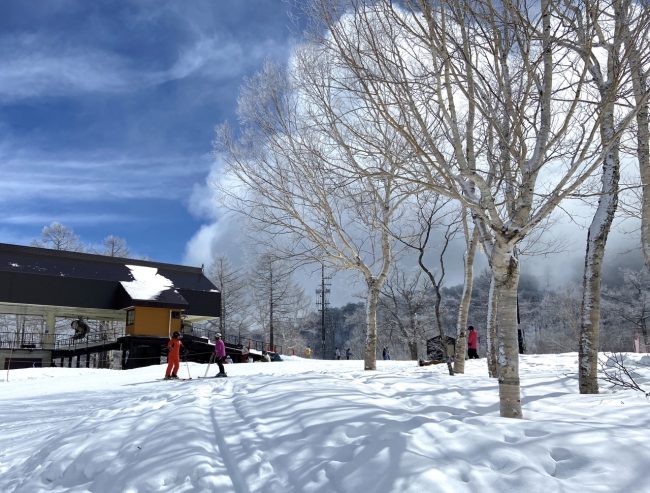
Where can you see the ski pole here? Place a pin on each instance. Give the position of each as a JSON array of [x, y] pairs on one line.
[[209, 363], [187, 365]]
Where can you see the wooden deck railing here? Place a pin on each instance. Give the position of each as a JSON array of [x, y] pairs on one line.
[[38, 340]]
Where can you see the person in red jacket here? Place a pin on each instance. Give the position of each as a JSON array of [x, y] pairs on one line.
[[219, 354], [173, 356], [472, 343]]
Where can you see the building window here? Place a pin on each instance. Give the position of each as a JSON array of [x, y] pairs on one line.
[[130, 317]]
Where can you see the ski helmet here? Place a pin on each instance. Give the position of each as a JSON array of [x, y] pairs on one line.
[[217, 335], [176, 334]]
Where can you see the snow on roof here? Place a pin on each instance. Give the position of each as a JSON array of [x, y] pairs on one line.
[[147, 284]]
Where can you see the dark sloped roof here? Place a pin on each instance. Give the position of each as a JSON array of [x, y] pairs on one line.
[[39, 276]]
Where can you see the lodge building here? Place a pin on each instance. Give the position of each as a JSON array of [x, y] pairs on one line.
[[150, 300]]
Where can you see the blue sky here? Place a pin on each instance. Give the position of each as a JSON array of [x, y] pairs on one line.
[[108, 108], [107, 115]]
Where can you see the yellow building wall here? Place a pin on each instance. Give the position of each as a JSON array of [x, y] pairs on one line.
[[150, 321]]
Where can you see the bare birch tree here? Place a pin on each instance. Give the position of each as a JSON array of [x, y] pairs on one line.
[[404, 300], [235, 300], [56, 236], [607, 80], [471, 237], [636, 37], [279, 301], [433, 213], [300, 172], [114, 246], [598, 36], [519, 130], [630, 304]]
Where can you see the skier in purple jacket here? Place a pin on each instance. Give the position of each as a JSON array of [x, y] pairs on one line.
[[219, 354]]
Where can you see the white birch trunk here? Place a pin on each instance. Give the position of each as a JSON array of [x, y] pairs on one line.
[[643, 155], [602, 220], [463, 308], [637, 47], [413, 336], [505, 269], [596, 241], [641, 86], [370, 356], [492, 332], [375, 283]]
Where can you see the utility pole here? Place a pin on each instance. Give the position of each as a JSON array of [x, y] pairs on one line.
[[271, 305], [323, 302], [222, 318]]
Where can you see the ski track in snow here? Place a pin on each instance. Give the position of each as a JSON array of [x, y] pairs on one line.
[[142, 434], [313, 426]]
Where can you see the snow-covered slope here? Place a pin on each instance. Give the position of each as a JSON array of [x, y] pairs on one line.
[[318, 426]]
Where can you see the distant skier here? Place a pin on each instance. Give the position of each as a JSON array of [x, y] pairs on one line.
[[387, 353], [472, 343], [383, 353], [173, 356], [337, 353], [348, 353], [219, 354]]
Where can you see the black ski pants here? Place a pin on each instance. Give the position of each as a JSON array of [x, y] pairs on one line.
[[220, 360]]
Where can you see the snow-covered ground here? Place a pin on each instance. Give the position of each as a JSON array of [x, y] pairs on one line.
[[319, 426]]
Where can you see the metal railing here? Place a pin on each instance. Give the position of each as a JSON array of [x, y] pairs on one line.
[[235, 340], [38, 340], [21, 340], [92, 338]]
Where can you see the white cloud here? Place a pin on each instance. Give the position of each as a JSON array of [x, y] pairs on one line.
[[225, 233], [78, 218], [209, 57], [203, 201], [31, 175], [222, 237], [199, 249], [36, 66]]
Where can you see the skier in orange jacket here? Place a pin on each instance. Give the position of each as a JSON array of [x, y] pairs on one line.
[[173, 356]]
